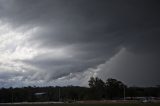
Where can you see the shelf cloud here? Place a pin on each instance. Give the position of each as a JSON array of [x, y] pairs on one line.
[[49, 42]]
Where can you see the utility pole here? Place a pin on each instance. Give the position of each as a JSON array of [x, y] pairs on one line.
[[124, 93], [59, 94], [12, 95]]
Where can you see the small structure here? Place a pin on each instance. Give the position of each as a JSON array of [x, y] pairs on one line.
[[40, 93], [41, 96]]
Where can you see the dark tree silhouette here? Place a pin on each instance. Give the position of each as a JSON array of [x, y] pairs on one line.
[[97, 88], [115, 88]]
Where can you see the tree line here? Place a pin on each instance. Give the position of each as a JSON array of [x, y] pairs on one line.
[[97, 90]]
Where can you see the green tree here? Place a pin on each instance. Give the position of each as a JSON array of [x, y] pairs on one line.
[[97, 88], [115, 88]]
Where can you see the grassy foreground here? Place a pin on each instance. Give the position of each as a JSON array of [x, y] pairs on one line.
[[140, 104]]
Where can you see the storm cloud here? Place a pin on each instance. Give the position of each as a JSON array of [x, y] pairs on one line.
[[49, 42]]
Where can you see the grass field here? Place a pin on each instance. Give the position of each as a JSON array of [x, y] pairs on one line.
[[133, 104]]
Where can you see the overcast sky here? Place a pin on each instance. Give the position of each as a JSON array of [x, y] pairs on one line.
[[65, 42]]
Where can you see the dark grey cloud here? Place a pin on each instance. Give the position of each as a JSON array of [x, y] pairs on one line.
[[91, 33], [138, 69]]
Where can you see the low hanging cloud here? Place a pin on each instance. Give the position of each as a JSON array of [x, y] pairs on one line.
[[133, 69], [51, 41]]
